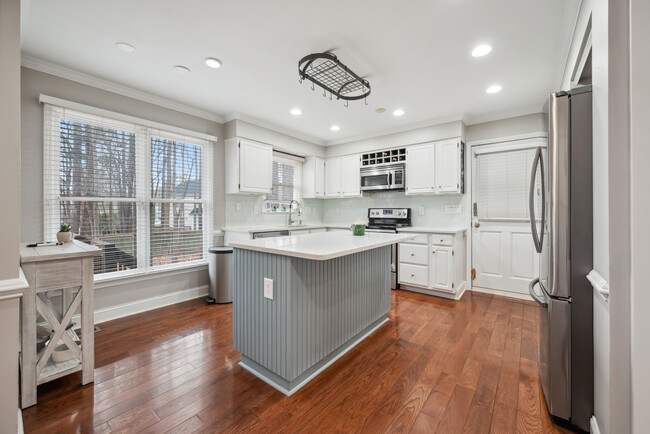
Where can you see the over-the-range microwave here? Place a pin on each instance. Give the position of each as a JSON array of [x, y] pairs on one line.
[[390, 177]]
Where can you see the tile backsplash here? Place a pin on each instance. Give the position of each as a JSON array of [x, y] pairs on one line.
[[316, 211], [351, 210], [250, 212]]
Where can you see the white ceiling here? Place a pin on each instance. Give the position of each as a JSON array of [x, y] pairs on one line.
[[416, 55]]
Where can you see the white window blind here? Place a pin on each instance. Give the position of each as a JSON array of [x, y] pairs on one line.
[[287, 184], [142, 195], [502, 184]]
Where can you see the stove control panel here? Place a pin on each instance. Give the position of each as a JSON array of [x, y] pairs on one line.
[[391, 213]]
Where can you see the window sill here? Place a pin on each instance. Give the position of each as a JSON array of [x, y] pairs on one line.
[[127, 278]]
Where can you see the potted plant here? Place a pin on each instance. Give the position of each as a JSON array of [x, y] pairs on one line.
[[64, 235]]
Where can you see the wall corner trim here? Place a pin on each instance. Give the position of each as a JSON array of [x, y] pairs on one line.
[[13, 288], [599, 284], [593, 424]]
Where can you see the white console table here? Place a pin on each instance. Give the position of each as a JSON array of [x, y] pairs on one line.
[[68, 268]]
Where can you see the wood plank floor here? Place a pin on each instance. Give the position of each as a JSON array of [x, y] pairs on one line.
[[437, 366]]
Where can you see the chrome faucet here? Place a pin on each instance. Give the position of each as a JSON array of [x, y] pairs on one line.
[[291, 221]]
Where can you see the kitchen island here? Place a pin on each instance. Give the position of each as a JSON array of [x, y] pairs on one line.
[[302, 301]]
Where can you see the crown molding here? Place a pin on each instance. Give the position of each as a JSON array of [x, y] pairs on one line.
[[89, 80], [473, 120], [236, 116], [409, 127]]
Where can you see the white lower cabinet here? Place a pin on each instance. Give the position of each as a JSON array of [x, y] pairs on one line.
[[433, 264]]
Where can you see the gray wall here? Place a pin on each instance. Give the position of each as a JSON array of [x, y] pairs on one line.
[[533, 123], [10, 196], [35, 83]]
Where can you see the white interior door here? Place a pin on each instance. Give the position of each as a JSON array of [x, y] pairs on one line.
[[503, 253]]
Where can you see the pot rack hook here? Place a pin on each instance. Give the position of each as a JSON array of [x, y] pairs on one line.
[[347, 103], [324, 93], [312, 85], [330, 96], [365, 100]]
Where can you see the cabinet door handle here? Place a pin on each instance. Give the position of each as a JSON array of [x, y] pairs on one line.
[[433, 251], [412, 254], [412, 275]]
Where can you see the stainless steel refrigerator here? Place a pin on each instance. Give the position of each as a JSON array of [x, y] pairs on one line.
[[561, 185]]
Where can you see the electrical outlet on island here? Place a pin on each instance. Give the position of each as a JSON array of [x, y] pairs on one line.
[[268, 288]]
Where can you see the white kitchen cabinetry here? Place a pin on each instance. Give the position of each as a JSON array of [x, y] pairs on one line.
[[351, 176], [342, 177], [449, 166], [435, 168], [249, 167], [313, 174], [333, 177], [420, 174], [433, 264]]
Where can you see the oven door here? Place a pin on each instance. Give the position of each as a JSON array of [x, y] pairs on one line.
[[377, 179]]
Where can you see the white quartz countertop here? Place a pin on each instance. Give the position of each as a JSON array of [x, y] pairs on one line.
[[321, 246], [256, 229], [432, 229]]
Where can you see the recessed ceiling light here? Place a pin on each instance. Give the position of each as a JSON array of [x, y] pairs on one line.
[[182, 70], [296, 112], [380, 110], [398, 112], [481, 50], [493, 89], [335, 128], [127, 48], [213, 62]]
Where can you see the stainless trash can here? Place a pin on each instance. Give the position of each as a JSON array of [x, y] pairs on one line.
[[219, 269]]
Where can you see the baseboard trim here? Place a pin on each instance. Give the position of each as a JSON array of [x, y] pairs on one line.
[[146, 304], [593, 424], [517, 295]]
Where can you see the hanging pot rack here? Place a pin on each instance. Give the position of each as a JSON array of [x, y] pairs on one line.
[[326, 71]]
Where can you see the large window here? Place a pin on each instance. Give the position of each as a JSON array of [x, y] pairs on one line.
[[287, 184], [141, 195]]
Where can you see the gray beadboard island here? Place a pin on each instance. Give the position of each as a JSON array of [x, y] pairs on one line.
[[330, 291]]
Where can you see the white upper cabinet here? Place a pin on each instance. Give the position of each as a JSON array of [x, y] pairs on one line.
[[435, 168], [343, 176], [333, 177], [449, 166], [313, 176], [420, 169], [249, 167], [351, 176]]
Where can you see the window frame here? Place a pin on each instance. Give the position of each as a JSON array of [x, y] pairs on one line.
[[297, 185], [55, 114]]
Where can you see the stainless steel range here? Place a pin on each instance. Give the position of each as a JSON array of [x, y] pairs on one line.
[[388, 220]]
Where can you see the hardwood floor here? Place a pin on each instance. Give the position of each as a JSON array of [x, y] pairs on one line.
[[437, 366]]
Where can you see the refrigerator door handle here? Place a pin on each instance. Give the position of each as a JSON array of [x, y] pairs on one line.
[[538, 238], [531, 290]]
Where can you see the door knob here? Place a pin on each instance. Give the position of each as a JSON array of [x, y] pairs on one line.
[[477, 224]]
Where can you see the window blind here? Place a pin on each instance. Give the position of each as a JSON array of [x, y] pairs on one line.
[[287, 184], [141, 195], [502, 184]]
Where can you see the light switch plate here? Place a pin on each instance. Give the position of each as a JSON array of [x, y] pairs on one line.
[[452, 209], [421, 210], [268, 288], [238, 206]]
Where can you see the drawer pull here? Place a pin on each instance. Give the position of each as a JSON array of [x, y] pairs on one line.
[[412, 275], [433, 251], [412, 254]]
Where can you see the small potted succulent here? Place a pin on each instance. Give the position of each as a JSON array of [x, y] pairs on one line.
[[64, 235]]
